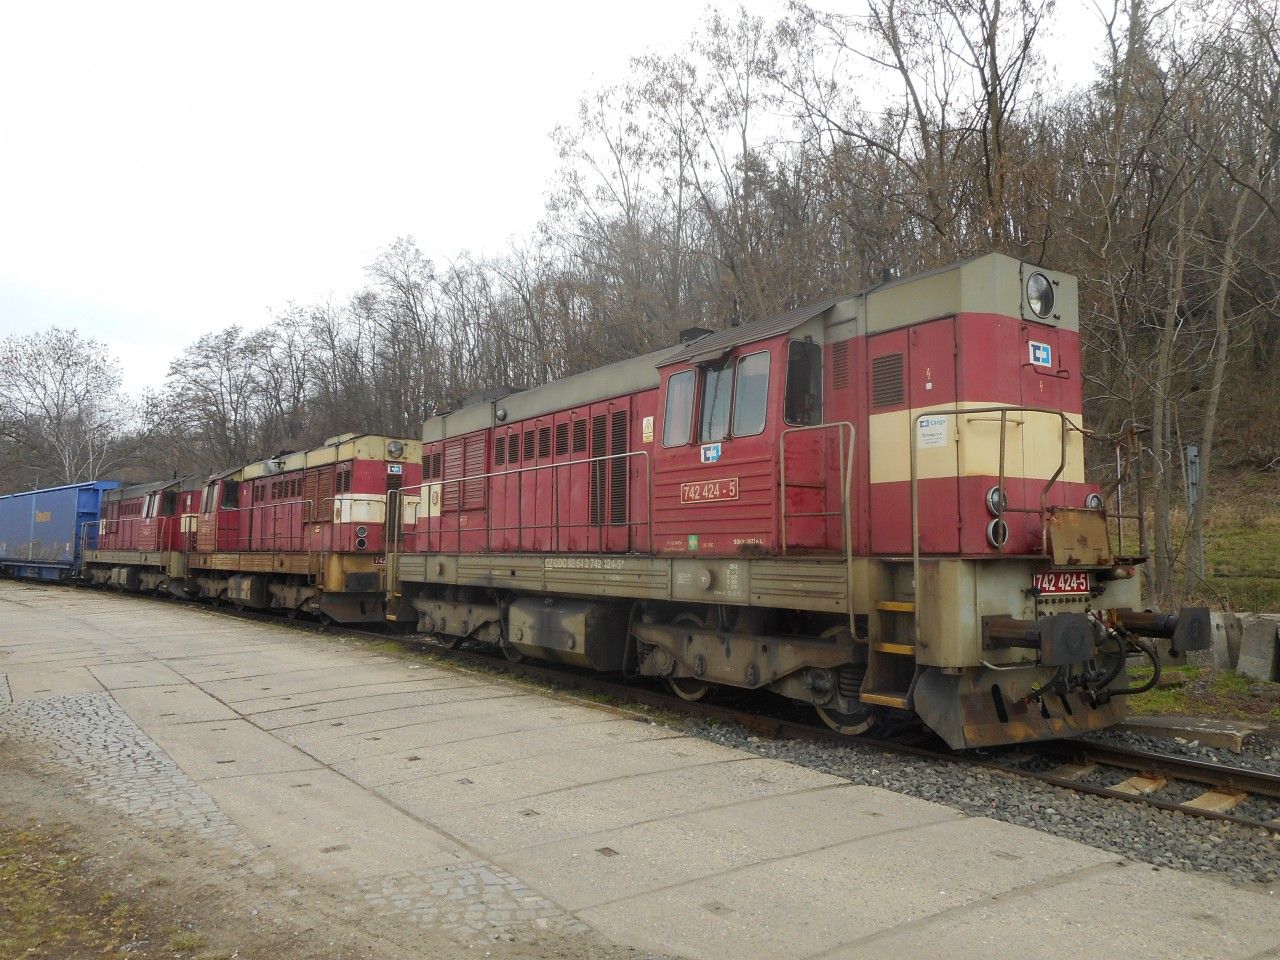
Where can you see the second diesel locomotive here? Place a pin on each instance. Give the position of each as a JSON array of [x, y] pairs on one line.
[[876, 504]]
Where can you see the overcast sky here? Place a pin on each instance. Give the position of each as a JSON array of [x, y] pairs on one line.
[[169, 168]]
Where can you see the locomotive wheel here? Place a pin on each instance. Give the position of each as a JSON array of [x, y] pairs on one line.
[[447, 640], [689, 689], [511, 653], [849, 724]]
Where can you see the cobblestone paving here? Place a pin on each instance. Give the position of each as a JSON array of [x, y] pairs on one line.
[[115, 763], [118, 765], [466, 899]]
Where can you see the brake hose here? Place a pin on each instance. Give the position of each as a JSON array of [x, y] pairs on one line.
[[1149, 649]]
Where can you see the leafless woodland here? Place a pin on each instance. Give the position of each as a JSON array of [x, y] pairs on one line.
[[766, 165]]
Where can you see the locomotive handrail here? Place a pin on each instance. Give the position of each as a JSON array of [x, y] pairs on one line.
[[554, 525], [1066, 426], [295, 538], [846, 474]]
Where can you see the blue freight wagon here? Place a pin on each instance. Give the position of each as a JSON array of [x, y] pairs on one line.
[[41, 531]]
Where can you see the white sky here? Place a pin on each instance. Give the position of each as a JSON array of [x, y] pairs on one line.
[[170, 168]]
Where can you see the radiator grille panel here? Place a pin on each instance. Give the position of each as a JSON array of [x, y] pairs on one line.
[[886, 380], [840, 365]]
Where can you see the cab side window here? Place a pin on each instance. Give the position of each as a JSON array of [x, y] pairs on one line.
[[751, 395], [717, 392], [803, 405], [677, 419], [230, 494]]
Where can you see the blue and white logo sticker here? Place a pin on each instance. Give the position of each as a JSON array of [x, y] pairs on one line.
[[710, 452], [1041, 354]]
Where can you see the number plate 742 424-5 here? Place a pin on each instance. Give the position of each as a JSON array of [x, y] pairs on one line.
[[1061, 582]]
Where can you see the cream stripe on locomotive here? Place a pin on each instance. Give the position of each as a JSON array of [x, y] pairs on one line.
[[1032, 445], [360, 508]]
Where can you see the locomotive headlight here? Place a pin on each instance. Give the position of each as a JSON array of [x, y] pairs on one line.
[[997, 532], [1040, 294], [1093, 501], [362, 531], [395, 449], [997, 501]]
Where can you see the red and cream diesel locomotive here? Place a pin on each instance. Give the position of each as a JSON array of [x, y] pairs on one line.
[[304, 531], [875, 504]]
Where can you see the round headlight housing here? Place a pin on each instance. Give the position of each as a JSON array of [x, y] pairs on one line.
[[1093, 501], [997, 501], [1040, 294], [997, 533], [395, 449]]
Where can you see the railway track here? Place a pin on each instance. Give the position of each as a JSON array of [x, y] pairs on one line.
[[1198, 788]]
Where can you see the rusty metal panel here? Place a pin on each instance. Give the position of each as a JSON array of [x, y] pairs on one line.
[[1079, 538], [947, 629]]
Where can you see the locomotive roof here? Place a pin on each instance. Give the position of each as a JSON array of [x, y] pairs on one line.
[[613, 380], [134, 490], [989, 283], [714, 344]]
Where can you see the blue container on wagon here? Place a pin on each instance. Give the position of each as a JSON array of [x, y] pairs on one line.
[[42, 532]]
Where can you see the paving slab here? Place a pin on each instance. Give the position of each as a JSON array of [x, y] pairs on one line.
[[26, 682], [352, 708], [844, 891], [383, 765], [298, 679], [143, 673], [559, 814], [227, 748], [303, 819], [483, 721], [549, 770], [615, 865], [337, 691], [1225, 734], [1103, 912], [375, 722], [168, 705]]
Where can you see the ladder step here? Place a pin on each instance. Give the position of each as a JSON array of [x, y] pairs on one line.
[[885, 699], [897, 606], [900, 649]]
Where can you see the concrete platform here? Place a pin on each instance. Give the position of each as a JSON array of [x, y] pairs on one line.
[[370, 775], [1224, 734]]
